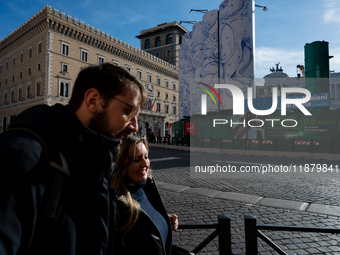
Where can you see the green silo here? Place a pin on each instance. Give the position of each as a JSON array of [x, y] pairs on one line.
[[317, 66]]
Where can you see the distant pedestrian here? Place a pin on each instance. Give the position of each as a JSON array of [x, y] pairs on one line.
[[187, 138]]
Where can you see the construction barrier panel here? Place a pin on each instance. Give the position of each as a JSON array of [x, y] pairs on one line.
[[323, 147], [336, 146], [302, 146], [289, 145], [254, 145], [285, 145], [269, 145], [227, 143], [240, 144], [216, 143]]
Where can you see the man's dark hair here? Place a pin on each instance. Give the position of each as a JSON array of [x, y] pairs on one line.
[[108, 79]]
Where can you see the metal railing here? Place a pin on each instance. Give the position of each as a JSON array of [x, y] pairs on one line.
[[222, 230], [253, 231]]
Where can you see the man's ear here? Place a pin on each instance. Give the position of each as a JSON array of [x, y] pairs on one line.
[[92, 100]]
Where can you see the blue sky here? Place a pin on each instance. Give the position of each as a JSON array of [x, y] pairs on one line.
[[280, 33]]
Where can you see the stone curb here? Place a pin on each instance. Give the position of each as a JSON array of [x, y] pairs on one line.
[[171, 187], [249, 199], [284, 204], [254, 200], [202, 192], [324, 209]]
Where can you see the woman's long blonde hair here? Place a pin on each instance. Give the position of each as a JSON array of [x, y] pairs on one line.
[[128, 215]]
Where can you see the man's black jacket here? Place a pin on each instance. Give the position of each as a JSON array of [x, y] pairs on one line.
[[86, 209]]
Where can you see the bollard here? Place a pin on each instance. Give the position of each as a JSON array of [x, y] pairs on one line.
[[251, 235], [224, 235]]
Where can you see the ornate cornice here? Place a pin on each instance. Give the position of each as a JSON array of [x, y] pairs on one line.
[[78, 30]]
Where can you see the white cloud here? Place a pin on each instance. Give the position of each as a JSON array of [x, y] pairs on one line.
[[331, 12], [266, 58], [334, 63]]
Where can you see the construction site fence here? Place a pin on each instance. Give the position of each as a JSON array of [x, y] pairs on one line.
[[289, 145]]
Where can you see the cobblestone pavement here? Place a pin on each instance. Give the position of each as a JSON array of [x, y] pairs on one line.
[[172, 166], [202, 210], [309, 187]]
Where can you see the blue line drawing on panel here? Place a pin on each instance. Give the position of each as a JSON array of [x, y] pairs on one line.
[[185, 75], [219, 50], [210, 50], [236, 46], [197, 63]]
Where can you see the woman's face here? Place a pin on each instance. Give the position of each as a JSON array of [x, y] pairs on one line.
[[138, 169]]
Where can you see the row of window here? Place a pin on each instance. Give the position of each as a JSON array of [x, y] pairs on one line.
[[29, 72], [157, 107], [21, 57], [63, 91], [101, 59], [166, 96], [10, 98], [147, 43], [158, 81], [168, 54]]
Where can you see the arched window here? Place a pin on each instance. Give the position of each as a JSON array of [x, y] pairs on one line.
[[63, 89], [66, 90], [29, 92], [147, 44], [20, 95], [38, 90], [158, 41], [169, 39]]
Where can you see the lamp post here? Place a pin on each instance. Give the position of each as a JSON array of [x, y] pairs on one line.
[[198, 10], [263, 7], [188, 21]]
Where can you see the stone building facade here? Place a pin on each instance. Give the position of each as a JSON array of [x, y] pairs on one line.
[[41, 59], [163, 41]]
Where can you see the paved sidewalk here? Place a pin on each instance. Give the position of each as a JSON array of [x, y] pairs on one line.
[[197, 209], [196, 203], [253, 200]]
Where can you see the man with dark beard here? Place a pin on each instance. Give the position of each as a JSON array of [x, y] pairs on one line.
[[69, 212]]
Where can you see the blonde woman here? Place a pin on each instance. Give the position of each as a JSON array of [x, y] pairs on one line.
[[143, 225]]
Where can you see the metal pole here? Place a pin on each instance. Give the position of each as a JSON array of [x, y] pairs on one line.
[[218, 54], [224, 235], [251, 235]]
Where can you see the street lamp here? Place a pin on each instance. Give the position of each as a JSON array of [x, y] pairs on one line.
[[189, 22], [198, 10], [263, 7]]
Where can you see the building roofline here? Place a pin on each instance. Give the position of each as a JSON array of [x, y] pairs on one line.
[[116, 45], [161, 28]]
